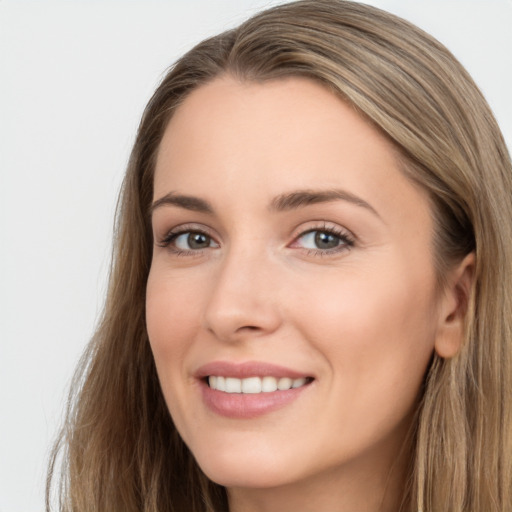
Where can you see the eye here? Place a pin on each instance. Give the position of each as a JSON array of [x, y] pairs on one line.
[[325, 240], [320, 240], [187, 241], [192, 240]]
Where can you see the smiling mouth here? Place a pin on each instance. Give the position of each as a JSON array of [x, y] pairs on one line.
[[255, 385]]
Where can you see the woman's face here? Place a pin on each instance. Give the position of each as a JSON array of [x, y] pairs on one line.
[[289, 251]]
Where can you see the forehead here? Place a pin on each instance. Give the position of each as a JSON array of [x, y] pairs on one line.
[[227, 117], [257, 140]]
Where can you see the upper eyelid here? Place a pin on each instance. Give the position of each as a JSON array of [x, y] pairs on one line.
[[189, 227], [322, 225]]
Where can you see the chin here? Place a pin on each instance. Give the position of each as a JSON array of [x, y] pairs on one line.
[[248, 479], [242, 471]]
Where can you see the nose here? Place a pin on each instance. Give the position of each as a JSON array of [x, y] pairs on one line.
[[243, 301]]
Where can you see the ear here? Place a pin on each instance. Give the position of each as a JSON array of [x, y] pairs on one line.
[[453, 308]]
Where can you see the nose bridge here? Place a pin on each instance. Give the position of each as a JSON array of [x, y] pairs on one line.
[[241, 301]]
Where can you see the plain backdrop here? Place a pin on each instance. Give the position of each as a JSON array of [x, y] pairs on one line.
[[74, 78]]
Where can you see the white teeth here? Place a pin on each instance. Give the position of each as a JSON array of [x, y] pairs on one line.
[[268, 384], [297, 383], [251, 385], [233, 385], [254, 385], [284, 383]]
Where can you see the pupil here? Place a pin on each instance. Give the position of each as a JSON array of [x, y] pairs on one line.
[[326, 240], [198, 241]]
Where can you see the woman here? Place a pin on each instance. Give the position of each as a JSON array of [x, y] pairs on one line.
[[309, 305]]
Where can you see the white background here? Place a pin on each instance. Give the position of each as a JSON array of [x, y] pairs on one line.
[[74, 78]]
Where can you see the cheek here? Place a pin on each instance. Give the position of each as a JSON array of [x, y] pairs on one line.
[[172, 313], [171, 318], [376, 330]]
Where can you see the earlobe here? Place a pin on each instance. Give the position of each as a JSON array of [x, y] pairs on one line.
[[454, 307]]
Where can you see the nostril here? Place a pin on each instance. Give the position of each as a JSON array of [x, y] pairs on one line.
[[251, 328]]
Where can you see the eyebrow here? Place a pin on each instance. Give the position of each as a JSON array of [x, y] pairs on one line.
[[283, 202], [301, 198], [187, 202]]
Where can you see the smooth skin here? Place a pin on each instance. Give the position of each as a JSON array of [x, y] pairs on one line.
[[262, 261]]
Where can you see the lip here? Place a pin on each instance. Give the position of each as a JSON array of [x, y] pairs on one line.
[[247, 406], [247, 369]]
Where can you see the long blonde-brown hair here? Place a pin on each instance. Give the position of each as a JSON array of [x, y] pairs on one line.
[[119, 447]]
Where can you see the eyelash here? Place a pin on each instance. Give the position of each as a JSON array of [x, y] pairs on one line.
[[167, 241], [346, 239]]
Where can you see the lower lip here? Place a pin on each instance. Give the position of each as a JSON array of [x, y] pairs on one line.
[[247, 405]]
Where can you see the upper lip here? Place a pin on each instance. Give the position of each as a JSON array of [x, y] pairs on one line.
[[247, 369]]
